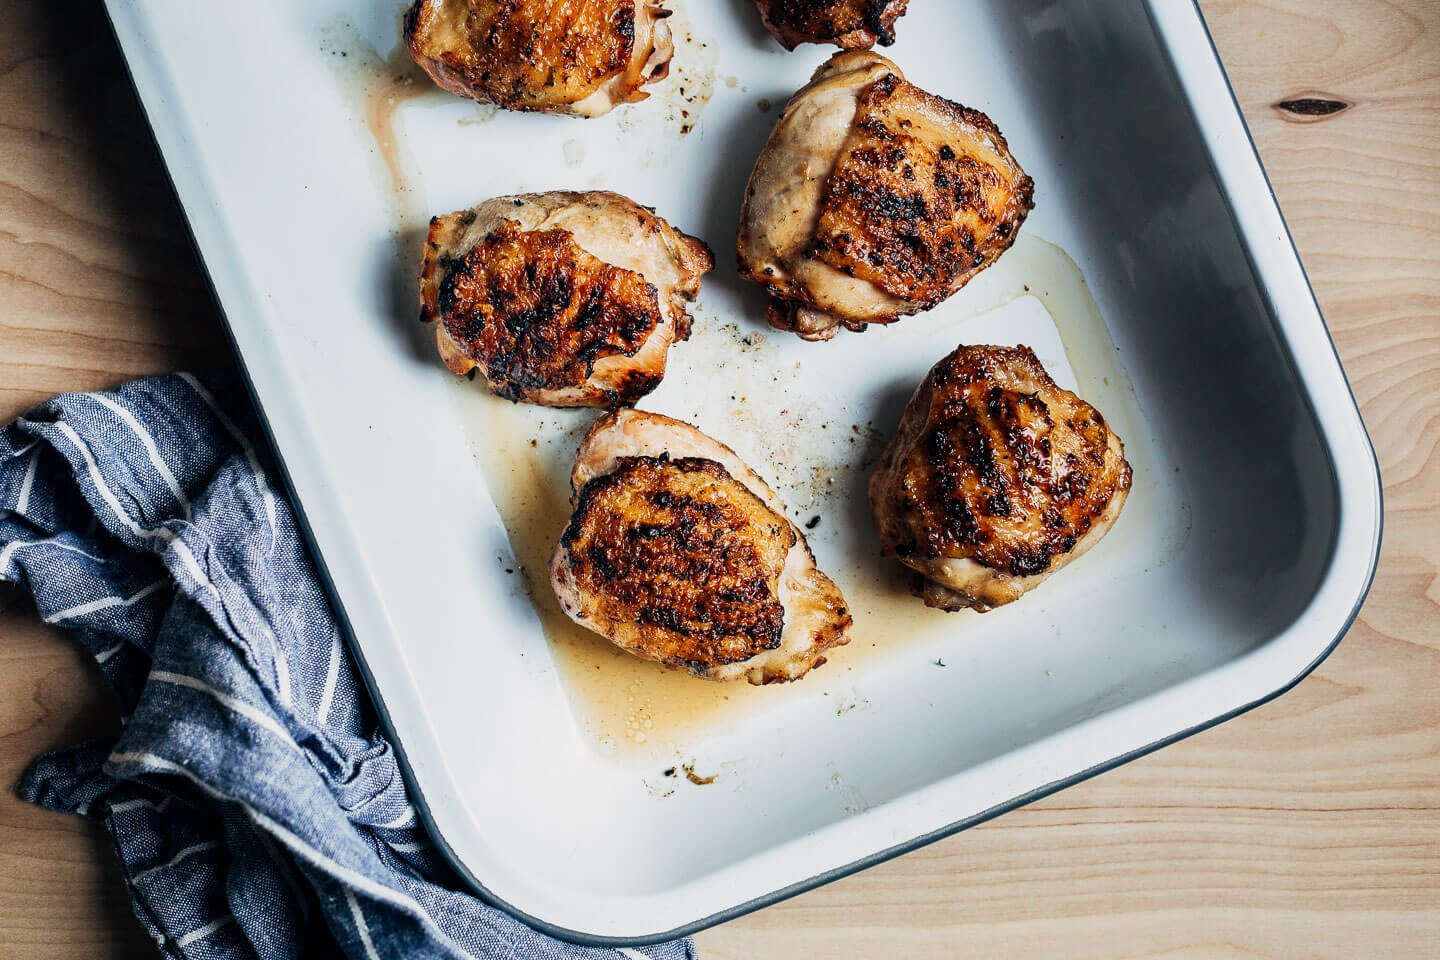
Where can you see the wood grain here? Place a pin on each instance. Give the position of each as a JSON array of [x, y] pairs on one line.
[[1309, 828]]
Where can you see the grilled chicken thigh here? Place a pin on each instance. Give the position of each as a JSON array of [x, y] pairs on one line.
[[678, 552], [851, 24], [996, 479], [561, 299], [874, 200], [579, 57]]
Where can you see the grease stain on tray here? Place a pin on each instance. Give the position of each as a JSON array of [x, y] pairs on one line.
[[851, 800], [482, 113], [816, 441], [380, 86], [682, 96], [574, 152]]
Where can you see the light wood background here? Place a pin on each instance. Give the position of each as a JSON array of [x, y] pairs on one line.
[[1309, 828]]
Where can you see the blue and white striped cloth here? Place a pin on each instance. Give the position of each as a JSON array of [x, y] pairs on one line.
[[256, 805]]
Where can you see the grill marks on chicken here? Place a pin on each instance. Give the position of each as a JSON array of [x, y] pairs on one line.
[[679, 553], [562, 299], [682, 556], [916, 216], [536, 311], [875, 200], [530, 52], [582, 57], [1001, 475], [996, 478], [851, 24]]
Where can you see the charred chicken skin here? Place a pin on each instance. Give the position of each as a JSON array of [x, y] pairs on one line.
[[874, 200], [996, 479], [678, 552], [560, 299], [852, 24], [578, 57]]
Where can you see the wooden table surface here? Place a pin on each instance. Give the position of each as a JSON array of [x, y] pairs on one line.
[[1308, 828]]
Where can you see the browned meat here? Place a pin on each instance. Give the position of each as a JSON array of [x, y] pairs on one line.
[[845, 23], [684, 556], [561, 299], [874, 200], [679, 553], [911, 214], [581, 57], [996, 479]]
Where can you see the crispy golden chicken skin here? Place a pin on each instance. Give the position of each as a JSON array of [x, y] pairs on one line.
[[579, 57], [996, 479], [560, 299], [683, 558], [874, 200], [678, 552], [852, 24]]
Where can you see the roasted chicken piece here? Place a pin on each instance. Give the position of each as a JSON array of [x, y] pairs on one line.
[[852, 24], [996, 479], [561, 299], [874, 200], [579, 57], [678, 552]]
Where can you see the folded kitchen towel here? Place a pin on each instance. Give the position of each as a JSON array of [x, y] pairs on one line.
[[254, 800]]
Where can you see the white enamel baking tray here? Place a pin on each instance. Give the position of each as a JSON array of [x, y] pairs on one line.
[[1156, 275]]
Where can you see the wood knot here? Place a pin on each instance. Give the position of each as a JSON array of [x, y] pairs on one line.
[[1312, 107]]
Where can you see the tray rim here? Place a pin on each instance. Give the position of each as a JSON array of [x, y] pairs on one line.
[[1171, 20]]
